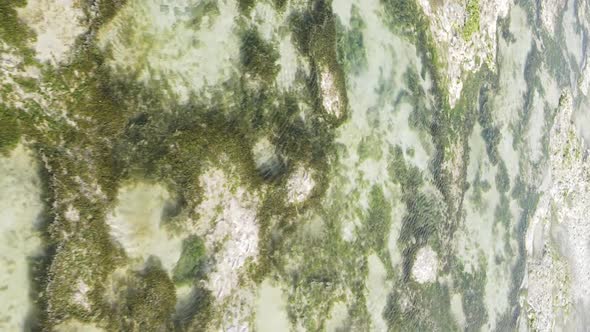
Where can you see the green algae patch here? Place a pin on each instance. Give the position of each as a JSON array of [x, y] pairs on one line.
[[502, 178], [191, 260], [280, 4], [314, 32], [271, 313], [152, 300], [472, 23], [258, 57], [378, 220], [9, 130], [105, 9], [425, 308], [12, 30], [246, 6], [139, 300]]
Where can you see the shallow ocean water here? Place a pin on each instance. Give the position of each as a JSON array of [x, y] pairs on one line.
[[366, 203]]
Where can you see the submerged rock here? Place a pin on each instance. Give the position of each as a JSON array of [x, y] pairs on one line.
[[425, 266]]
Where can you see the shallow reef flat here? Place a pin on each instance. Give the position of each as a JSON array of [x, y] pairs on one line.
[[294, 165]]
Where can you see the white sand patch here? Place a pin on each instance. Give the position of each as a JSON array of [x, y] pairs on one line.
[[72, 214], [330, 95], [57, 24], [183, 292], [372, 170], [228, 223], [582, 118], [299, 185], [584, 80], [289, 63], [264, 153], [348, 231], [378, 288], [81, 295], [409, 138], [337, 318], [266, 19], [425, 266], [20, 205], [77, 326], [457, 310], [136, 224], [343, 9], [271, 313], [158, 41]]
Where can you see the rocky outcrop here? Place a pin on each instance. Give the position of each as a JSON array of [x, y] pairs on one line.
[[558, 279], [465, 31]]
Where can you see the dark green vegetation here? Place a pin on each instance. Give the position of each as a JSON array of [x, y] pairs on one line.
[[280, 4], [490, 131], [314, 33], [502, 179], [378, 222], [12, 30], [258, 57], [191, 260], [472, 23], [9, 130], [426, 309], [246, 6], [423, 218], [145, 301]]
